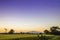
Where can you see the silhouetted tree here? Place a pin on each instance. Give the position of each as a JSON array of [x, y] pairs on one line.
[[54, 30], [11, 31], [5, 30], [46, 32]]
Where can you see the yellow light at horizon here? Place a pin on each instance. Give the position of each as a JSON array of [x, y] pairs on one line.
[[23, 25]]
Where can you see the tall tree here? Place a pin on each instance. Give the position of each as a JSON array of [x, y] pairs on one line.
[[46, 31], [11, 31], [5, 30], [54, 30]]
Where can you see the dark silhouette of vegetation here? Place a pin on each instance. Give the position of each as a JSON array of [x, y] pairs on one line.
[[11, 31], [53, 30], [46, 32], [5, 30], [41, 36]]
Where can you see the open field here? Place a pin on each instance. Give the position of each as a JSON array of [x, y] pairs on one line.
[[26, 37]]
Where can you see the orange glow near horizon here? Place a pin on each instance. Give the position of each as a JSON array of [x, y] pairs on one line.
[[29, 15], [24, 29], [24, 25]]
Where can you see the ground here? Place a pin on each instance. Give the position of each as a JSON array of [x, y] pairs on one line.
[[28, 37]]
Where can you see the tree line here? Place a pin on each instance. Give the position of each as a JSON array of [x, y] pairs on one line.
[[53, 30]]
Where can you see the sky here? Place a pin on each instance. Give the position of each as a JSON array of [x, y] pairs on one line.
[[29, 15]]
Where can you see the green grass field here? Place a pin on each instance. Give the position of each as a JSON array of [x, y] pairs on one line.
[[26, 37]]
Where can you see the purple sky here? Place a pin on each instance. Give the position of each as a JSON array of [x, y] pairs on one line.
[[29, 13]]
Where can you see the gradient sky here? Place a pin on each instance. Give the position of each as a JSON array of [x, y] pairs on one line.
[[29, 15]]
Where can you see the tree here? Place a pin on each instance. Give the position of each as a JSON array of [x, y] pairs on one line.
[[5, 30], [11, 31], [54, 30], [46, 31]]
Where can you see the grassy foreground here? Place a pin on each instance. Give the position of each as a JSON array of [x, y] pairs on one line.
[[27, 37]]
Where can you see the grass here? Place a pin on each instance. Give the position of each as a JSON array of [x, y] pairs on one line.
[[27, 37]]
